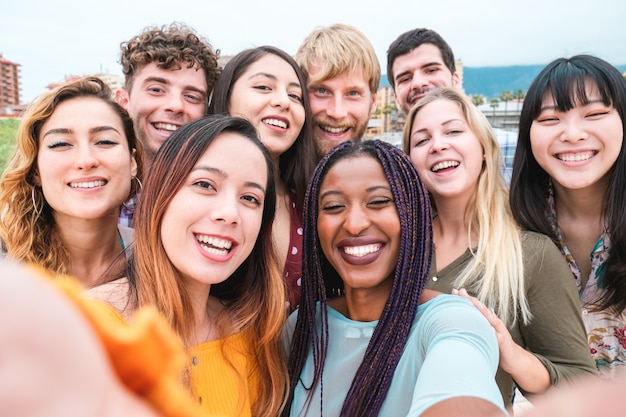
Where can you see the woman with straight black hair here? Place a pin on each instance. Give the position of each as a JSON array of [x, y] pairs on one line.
[[569, 182]]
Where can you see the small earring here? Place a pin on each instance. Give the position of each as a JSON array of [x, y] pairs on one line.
[[32, 197]]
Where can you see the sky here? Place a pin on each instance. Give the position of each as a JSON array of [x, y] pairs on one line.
[[55, 39]]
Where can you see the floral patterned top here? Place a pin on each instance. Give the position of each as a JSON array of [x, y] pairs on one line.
[[606, 333]]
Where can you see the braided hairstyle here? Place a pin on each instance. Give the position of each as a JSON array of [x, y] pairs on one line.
[[373, 377]]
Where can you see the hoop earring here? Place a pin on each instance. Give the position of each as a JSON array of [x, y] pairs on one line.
[[32, 197], [138, 182]]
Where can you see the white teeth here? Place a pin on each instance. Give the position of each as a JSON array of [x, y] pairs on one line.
[[576, 157], [214, 245], [88, 184], [360, 251], [334, 130], [166, 126], [444, 164], [275, 122]]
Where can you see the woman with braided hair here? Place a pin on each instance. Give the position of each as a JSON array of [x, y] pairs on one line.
[[367, 339]]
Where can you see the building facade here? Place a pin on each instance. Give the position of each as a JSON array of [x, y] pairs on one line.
[[10, 87]]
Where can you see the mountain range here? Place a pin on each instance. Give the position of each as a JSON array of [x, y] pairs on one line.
[[492, 81]]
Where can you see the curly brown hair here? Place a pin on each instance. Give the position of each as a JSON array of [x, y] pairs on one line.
[[170, 47]]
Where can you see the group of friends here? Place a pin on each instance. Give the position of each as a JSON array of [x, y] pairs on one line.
[[308, 272]]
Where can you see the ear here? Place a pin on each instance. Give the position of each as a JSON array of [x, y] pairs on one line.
[[456, 80], [122, 98], [398, 104], [133, 163], [374, 103], [36, 178]]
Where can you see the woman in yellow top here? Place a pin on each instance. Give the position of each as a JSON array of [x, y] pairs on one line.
[[203, 256]]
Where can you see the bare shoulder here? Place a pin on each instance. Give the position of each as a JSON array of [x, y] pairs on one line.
[[115, 293]]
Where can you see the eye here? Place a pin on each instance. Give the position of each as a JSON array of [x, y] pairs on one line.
[[419, 142], [203, 184], [156, 90], [194, 98], [107, 142], [297, 98], [252, 200], [431, 70], [331, 207], [354, 93], [380, 202], [58, 144], [262, 88]]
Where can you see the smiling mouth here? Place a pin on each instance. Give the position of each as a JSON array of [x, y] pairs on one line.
[[334, 130], [576, 157], [165, 127], [88, 184], [361, 251], [443, 165], [276, 123], [214, 245]]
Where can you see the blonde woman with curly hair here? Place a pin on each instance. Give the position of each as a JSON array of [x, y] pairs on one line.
[[75, 162], [520, 277]]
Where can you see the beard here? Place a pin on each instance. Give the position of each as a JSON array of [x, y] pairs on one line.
[[323, 146]]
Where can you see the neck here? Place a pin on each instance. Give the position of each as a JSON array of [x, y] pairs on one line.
[[363, 304], [581, 203], [450, 223], [93, 246]]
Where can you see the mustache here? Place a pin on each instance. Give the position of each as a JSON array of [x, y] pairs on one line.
[[414, 93], [344, 124]]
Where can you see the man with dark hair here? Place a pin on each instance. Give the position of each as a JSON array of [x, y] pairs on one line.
[[420, 60]]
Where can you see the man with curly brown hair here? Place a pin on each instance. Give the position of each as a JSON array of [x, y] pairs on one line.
[[170, 72]]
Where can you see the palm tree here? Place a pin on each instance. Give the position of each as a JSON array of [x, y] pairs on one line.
[[506, 96], [519, 95], [477, 99], [494, 103]]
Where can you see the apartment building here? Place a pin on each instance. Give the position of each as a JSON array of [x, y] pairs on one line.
[[9, 83]]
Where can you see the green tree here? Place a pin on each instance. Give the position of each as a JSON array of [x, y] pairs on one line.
[[519, 95], [506, 96], [477, 99], [494, 104], [8, 129]]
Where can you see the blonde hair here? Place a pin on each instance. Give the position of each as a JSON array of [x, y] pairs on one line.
[[27, 227], [338, 49], [496, 272]]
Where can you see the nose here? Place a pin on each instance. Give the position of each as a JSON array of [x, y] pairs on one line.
[[356, 220], [336, 108], [418, 81], [86, 158], [573, 130], [175, 103], [226, 209], [438, 143], [281, 99]]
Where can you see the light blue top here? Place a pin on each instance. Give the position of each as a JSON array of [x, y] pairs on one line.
[[451, 351]]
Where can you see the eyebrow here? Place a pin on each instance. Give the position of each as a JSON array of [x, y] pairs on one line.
[[165, 81], [67, 131], [429, 64], [223, 174], [369, 190], [272, 77], [443, 124]]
